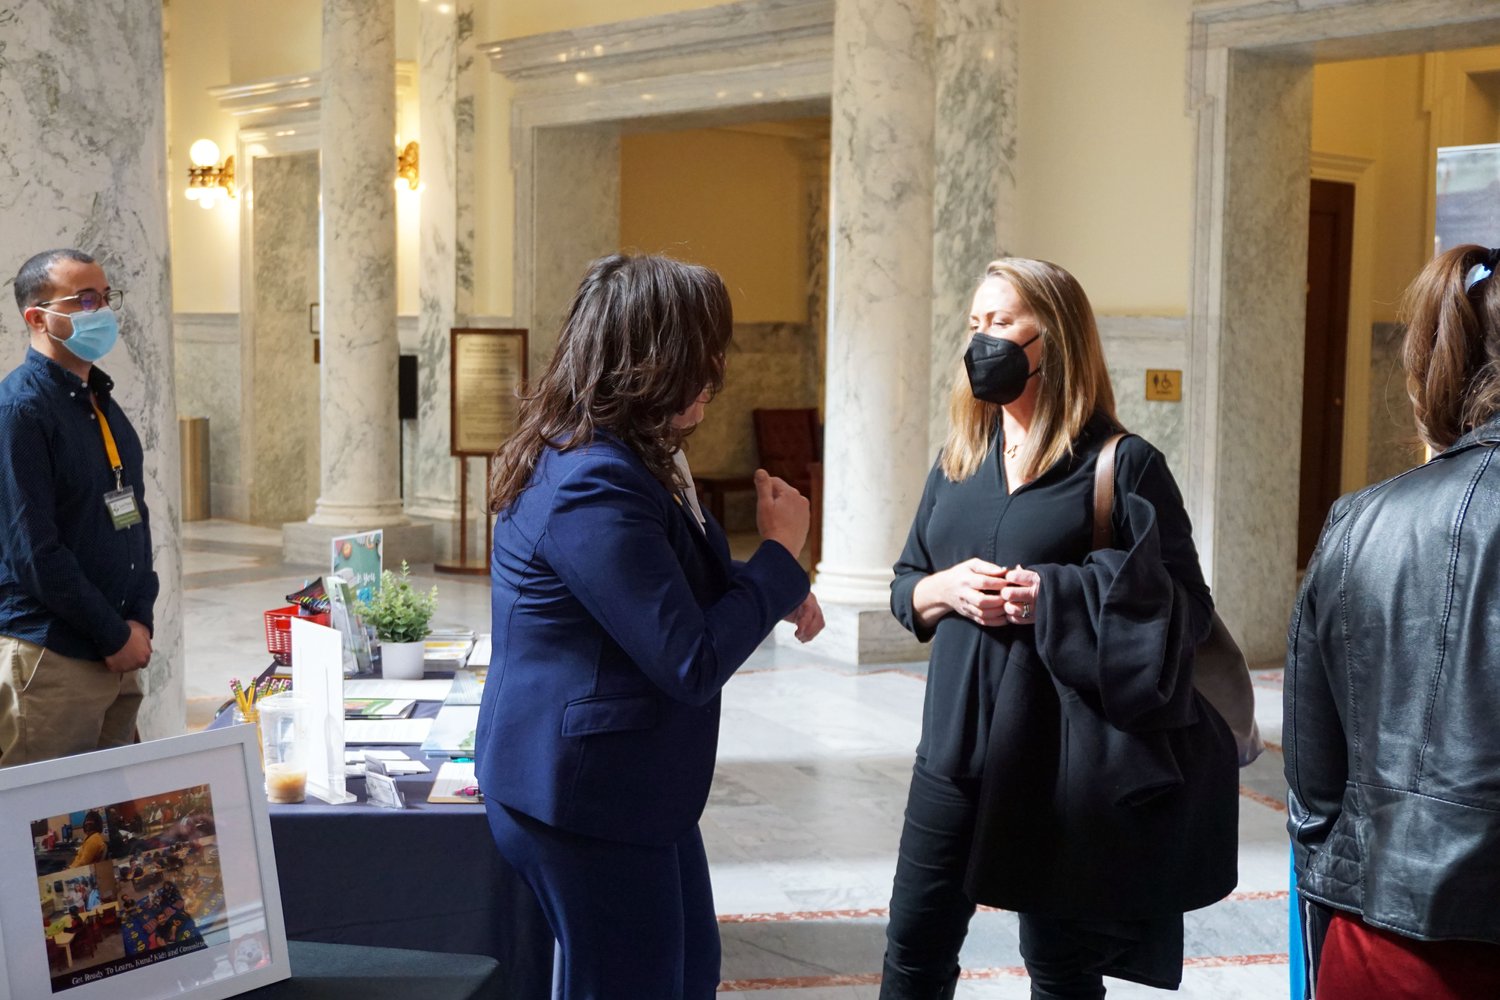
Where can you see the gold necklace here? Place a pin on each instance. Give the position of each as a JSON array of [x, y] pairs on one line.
[[1012, 450]]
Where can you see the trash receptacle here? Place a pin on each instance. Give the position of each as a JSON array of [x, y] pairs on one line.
[[193, 433]]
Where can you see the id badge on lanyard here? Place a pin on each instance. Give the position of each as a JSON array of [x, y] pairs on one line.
[[120, 501]]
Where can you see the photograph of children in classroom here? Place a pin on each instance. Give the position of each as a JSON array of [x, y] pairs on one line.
[[128, 884]]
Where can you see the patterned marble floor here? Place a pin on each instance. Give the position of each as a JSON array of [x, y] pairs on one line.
[[805, 814]]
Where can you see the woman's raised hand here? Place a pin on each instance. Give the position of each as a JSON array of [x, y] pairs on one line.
[[781, 513]]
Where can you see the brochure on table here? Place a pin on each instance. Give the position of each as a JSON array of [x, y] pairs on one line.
[[358, 559], [452, 732], [343, 618], [318, 679]]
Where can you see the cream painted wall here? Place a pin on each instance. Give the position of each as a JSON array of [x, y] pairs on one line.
[[205, 243], [734, 200], [494, 195], [1105, 164]]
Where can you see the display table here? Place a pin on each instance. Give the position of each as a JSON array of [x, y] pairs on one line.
[[426, 877], [353, 972]]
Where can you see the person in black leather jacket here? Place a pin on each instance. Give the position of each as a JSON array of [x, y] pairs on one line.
[[1392, 703]]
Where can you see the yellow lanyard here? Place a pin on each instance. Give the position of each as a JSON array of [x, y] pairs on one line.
[[109, 443]]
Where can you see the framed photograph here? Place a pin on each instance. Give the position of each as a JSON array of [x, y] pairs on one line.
[[488, 368], [142, 871]]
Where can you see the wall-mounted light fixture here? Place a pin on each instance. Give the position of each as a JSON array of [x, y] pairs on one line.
[[407, 167], [207, 177]]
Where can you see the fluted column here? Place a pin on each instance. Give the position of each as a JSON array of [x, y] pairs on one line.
[[879, 333], [84, 163], [360, 427]]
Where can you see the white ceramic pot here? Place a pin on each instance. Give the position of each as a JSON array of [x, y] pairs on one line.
[[401, 660]]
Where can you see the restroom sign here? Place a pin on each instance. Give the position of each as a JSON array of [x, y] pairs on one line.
[[1164, 385]]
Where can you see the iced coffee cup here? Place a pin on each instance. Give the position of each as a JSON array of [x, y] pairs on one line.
[[283, 748]]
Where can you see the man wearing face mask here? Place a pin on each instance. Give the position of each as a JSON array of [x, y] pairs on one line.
[[76, 583]]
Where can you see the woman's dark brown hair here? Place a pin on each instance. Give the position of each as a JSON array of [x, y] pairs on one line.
[[1452, 346], [645, 336]]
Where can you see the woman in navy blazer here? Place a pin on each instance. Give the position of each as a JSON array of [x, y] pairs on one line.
[[617, 617]]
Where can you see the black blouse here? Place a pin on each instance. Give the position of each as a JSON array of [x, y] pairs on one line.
[[1048, 521]]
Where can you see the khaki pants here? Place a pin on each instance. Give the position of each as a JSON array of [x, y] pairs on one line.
[[56, 706]]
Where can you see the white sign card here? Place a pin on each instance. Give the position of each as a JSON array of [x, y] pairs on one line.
[[318, 680]]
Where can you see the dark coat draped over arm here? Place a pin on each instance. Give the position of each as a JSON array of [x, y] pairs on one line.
[[1138, 811]]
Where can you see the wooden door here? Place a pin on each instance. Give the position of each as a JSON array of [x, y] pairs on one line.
[[1330, 248]]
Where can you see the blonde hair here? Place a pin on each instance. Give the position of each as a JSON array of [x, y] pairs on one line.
[[1074, 380]]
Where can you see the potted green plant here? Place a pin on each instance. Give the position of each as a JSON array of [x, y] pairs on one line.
[[400, 616]]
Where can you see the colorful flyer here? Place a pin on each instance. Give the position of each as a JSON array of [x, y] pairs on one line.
[[359, 559]]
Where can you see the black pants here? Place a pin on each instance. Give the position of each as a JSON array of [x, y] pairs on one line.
[[930, 911]]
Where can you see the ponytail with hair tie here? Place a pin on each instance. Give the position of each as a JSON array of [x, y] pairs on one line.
[[1482, 270]]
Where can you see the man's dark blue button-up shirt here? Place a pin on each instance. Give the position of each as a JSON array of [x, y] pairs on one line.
[[68, 580]]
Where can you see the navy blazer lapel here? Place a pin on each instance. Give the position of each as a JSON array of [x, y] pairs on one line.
[[709, 535]]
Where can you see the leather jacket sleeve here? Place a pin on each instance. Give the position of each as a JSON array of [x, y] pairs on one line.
[[1317, 765]]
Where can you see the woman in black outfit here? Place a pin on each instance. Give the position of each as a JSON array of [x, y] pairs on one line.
[[1067, 770]]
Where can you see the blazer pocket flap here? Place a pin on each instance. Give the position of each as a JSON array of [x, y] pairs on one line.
[[609, 714]]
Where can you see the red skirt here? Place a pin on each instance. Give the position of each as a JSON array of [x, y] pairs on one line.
[[1361, 962]]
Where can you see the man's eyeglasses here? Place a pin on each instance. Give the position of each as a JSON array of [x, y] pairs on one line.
[[91, 301]]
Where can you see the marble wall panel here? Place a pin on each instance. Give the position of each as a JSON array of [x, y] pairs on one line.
[[83, 107], [207, 382], [281, 400], [577, 209], [1257, 436], [447, 68], [1133, 344], [974, 147], [817, 266], [1394, 445], [771, 366]]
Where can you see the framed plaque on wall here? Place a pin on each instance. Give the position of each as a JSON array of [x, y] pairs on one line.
[[488, 367]]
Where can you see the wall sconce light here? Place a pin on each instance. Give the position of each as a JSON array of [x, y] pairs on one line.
[[207, 177], [406, 166]]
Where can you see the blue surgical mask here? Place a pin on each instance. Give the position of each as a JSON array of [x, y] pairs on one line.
[[94, 333]]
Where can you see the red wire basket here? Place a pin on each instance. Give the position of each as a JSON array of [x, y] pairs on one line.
[[279, 631]]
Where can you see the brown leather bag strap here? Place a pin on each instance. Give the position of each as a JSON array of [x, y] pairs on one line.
[[1104, 492]]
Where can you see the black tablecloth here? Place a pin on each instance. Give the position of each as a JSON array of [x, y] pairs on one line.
[[352, 972], [426, 877]]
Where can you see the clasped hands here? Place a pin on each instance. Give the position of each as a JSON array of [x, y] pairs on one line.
[[136, 652], [991, 595]]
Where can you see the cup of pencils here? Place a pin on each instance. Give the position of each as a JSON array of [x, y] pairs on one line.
[[247, 703]]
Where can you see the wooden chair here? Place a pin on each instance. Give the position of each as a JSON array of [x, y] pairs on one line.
[[789, 443]]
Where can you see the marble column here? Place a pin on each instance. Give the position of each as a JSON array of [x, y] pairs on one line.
[[360, 431], [85, 166], [880, 322], [974, 141], [280, 405], [577, 203], [446, 84]]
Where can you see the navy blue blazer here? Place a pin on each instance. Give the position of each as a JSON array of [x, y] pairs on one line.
[[616, 621]]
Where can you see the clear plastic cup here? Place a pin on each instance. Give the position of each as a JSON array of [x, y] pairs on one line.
[[284, 754]]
